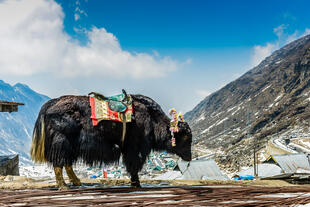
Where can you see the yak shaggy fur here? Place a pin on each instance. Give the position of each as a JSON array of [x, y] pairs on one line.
[[64, 133]]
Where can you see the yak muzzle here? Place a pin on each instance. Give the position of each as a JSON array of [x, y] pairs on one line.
[[187, 158]]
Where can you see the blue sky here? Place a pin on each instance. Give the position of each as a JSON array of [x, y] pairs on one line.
[[199, 24], [175, 51]]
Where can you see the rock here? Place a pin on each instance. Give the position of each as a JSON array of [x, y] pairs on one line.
[[16, 178], [8, 178], [9, 165]]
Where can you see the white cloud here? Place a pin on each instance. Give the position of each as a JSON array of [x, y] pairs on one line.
[[292, 37], [280, 30], [203, 93], [156, 54], [260, 52], [78, 12], [76, 16], [307, 31], [188, 61], [33, 41]]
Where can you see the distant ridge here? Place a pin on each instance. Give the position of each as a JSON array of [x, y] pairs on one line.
[[16, 128], [270, 100]]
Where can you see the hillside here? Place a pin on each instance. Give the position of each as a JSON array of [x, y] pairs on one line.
[[270, 100], [16, 128]]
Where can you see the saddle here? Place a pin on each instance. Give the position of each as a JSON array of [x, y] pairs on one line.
[[114, 108], [117, 103]]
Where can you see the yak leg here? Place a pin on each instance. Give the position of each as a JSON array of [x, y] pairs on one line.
[[72, 177], [133, 162], [135, 180], [60, 179]]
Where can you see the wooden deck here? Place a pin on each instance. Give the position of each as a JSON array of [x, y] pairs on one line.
[[165, 196]]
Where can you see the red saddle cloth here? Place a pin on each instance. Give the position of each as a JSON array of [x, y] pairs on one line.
[[100, 111]]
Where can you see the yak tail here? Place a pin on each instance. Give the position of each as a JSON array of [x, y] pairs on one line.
[[38, 141]]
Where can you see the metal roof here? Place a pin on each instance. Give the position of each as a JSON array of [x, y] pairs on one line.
[[263, 170], [201, 169], [290, 163], [169, 175]]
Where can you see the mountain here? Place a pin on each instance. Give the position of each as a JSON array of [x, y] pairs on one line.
[[270, 100], [16, 127]]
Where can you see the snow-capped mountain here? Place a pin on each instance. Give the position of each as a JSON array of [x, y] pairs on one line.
[[16, 127], [270, 100]]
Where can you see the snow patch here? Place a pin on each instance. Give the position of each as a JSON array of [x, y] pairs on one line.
[[213, 125], [278, 143], [280, 96], [36, 171], [200, 118], [305, 143], [237, 129], [233, 113], [230, 109], [266, 88], [278, 62], [221, 121], [206, 130]]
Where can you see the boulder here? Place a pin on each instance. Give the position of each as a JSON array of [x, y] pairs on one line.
[[9, 165]]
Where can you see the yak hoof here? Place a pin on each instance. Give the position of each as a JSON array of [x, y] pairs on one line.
[[64, 187], [135, 184], [77, 183]]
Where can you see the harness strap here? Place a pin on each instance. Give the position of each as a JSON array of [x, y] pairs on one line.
[[124, 129]]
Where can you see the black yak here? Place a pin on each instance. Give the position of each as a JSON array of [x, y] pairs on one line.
[[64, 134]]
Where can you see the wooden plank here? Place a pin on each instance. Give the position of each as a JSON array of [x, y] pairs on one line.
[[11, 103], [9, 106]]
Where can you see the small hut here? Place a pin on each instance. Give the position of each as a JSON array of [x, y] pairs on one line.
[[9, 163], [9, 106], [291, 163]]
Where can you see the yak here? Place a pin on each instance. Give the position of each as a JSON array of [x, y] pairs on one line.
[[64, 133]]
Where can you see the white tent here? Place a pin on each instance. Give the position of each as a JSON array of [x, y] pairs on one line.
[[201, 169]]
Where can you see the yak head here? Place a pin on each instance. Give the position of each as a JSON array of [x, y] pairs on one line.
[[183, 139]]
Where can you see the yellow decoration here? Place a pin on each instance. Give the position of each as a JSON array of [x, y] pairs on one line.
[[181, 117]]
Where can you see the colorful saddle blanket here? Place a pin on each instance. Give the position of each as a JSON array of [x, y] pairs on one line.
[[110, 108]]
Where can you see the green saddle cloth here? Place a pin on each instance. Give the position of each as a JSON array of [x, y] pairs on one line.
[[116, 103], [119, 97]]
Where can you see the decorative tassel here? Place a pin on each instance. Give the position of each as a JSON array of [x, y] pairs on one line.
[[173, 142], [173, 125]]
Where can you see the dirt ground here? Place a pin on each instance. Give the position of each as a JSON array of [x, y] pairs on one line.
[[19, 183]]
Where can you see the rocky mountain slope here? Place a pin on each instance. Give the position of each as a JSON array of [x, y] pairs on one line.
[[16, 128], [270, 100]]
